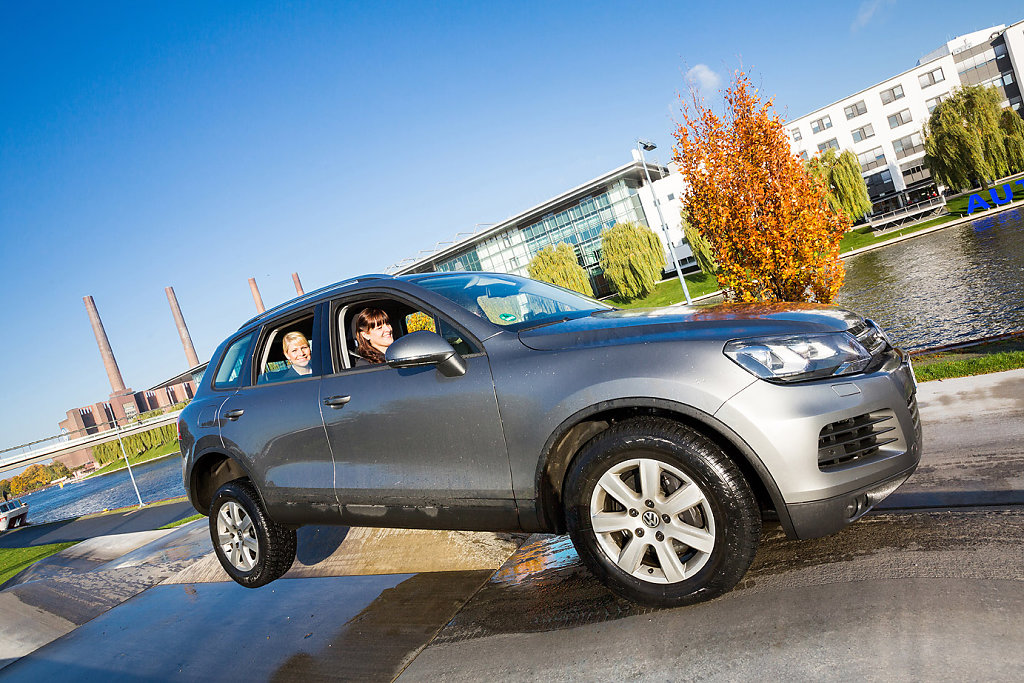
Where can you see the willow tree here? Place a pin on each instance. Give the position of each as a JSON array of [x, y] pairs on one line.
[[767, 220], [700, 247], [841, 174], [632, 259], [557, 264], [964, 145], [1012, 126]]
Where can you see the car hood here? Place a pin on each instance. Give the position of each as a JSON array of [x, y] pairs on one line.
[[720, 322]]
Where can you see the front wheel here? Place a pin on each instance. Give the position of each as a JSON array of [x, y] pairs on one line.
[[253, 549], [660, 514]]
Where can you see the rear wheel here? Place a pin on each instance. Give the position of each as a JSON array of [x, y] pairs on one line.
[[253, 549], [660, 514]]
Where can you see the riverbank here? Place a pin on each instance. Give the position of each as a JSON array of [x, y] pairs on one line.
[[160, 452]]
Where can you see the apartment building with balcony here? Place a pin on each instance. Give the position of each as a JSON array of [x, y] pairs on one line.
[[883, 124]]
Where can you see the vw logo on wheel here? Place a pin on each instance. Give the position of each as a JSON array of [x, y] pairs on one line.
[[650, 518]]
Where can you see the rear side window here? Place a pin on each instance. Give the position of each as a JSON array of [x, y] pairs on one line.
[[229, 373]]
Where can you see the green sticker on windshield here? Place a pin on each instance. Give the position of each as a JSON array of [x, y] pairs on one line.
[[507, 317]]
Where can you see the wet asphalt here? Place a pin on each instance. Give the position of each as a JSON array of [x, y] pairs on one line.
[[929, 587]]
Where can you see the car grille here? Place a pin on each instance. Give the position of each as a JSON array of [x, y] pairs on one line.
[[854, 439]]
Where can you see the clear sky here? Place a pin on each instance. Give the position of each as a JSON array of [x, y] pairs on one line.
[[197, 144]]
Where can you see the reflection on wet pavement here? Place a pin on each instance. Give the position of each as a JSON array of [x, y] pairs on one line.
[[545, 587], [349, 628]]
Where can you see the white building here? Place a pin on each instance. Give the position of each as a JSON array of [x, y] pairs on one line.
[[576, 216], [882, 124]]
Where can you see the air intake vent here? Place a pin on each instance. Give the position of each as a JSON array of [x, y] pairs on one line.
[[854, 439]]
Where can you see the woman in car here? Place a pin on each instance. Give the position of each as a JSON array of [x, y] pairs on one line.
[[373, 332], [296, 350]]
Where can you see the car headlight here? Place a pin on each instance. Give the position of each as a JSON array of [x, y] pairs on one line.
[[799, 357]]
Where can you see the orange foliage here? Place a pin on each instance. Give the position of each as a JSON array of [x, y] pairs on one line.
[[767, 220]]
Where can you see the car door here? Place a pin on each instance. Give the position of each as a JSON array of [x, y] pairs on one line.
[[273, 426], [412, 447]]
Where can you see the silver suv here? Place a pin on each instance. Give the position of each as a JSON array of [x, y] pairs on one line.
[[658, 439]]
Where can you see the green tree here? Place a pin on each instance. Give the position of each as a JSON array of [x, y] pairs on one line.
[[841, 173], [700, 247], [964, 145], [1012, 126], [632, 259], [557, 264]]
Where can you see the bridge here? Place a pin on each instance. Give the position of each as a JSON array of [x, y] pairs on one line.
[[53, 450]]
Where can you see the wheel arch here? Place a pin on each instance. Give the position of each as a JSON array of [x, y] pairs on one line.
[[211, 470], [565, 444]]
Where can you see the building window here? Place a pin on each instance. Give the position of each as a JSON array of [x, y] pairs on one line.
[[795, 134], [909, 145], [828, 144], [855, 110], [871, 159], [671, 197], [900, 118], [803, 155], [863, 133], [934, 102], [892, 94], [930, 78], [824, 123]]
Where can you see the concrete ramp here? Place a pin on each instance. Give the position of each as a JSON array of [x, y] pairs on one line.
[[344, 551]]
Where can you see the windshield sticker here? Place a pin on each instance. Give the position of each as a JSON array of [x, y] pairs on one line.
[[507, 317]]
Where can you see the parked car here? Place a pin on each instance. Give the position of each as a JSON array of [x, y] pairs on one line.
[[658, 439], [13, 513]]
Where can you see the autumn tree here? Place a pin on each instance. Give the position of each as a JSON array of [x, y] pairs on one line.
[[632, 259], [1012, 126], [964, 145], [766, 218], [841, 173], [557, 264]]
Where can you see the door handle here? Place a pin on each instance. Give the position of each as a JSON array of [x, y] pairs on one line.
[[234, 414], [337, 401]]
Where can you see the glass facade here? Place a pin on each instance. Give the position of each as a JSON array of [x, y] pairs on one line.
[[578, 223]]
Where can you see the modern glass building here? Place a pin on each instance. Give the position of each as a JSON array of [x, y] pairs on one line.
[[576, 217]]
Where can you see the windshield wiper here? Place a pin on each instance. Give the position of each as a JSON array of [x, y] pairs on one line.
[[553, 321]]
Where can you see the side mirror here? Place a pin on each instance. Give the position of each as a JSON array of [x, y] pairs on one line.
[[425, 348]]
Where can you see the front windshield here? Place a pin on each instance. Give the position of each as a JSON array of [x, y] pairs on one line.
[[512, 301]]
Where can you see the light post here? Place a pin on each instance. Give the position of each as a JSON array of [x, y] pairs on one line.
[[647, 145]]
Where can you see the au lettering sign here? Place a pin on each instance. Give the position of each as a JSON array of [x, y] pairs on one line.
[[977, 202]]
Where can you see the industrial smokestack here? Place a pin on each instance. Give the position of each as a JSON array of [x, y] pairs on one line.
[[186, 340], [256, 295], [113, 373], [298, 285]]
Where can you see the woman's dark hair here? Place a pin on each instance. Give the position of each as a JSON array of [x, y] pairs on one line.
[[368, 319]]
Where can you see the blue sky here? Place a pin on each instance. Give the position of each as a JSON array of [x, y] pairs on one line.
[[196, 145]]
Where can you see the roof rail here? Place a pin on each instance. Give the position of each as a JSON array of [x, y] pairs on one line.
[[317, 292]]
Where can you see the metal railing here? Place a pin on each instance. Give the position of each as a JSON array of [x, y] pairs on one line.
[[919, 207]]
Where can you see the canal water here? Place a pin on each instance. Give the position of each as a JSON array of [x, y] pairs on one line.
[[956, 284], [952, 285], [157, 480]]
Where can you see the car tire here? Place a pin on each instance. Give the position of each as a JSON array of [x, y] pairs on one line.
[[253, 549], [660, 514]]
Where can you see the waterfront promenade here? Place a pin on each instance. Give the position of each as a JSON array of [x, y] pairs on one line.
[[929, 586]]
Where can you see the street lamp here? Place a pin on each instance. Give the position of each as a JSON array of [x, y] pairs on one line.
[[647, 145]]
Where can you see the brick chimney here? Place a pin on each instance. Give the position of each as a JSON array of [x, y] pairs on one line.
[[179, 321], [113, 373]]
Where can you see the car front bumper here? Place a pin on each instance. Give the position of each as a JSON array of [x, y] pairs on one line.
[[788, 428]]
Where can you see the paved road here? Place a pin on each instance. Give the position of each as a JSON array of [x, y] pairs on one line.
[[137, 519], [911, 593]]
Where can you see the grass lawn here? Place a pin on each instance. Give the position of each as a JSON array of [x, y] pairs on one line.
[[182, 521], [669, 292], [996, 356], [13, 560], [958, 206], [152, 453]]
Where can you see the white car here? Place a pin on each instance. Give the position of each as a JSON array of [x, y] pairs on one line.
[[13, 513]]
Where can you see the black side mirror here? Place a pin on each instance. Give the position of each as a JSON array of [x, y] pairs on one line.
[[425, 348]]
